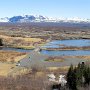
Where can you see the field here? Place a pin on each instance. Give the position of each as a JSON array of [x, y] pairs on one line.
[[5, 68], [8, 60], [38, 30], [29, 36], [21, 42], [11, 56]]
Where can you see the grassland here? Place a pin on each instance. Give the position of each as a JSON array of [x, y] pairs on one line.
[[5, 68], [25, 36], [54, 59], [8, 60], [21, 42], [29, 36], [11, 56]]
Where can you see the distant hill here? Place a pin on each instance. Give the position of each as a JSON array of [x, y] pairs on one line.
[[40, 18]]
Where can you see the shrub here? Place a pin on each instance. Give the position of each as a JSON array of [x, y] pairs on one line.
[[1, 42]]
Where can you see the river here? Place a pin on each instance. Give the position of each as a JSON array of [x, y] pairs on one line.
[[58, 44]]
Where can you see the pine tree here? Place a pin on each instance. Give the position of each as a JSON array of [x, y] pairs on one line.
[[1, 44], [79, 74], [87, 75], [71, 78]]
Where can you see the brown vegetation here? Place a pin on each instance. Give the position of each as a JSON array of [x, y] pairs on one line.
[[35, 79], [69, 48], [26, 82], [20, 42], [28, 36], [11, 56], [57, 32], [55, 59]]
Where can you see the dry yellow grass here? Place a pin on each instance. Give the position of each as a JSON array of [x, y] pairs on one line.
[[32, 39], [19, 71], [21, 42], [24, 47], [6, 37], [8, 68], [65, 68], [21, 38], [10, 56], [5, 68], [87, 57], [55, 60], [39, 74], [19, 58]]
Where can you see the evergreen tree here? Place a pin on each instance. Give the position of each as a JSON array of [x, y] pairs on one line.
[[79, 74], [71, 78], [1, 44], [87, 75]]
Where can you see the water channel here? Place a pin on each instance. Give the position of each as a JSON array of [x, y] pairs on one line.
[[59, 44]]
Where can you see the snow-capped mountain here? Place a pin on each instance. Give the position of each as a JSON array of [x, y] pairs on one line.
[[6, 19], [40, 18]]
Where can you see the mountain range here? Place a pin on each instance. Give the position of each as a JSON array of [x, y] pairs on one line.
[[40, 18]]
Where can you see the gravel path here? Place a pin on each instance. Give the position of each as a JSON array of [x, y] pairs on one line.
[[35, 58]]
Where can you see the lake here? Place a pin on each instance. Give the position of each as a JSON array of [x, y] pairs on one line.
[[60, 43]]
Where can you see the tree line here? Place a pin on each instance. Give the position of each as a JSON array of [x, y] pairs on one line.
[[78, 76]]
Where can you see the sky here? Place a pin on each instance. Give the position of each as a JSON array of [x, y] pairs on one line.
[[49, 8]]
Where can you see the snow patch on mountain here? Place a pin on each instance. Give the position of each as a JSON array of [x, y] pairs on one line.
[[4, 19], [40, 18]]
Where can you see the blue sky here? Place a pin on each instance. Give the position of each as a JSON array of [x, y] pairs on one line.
[[50, 8]]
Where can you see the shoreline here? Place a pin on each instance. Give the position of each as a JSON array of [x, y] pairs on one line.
[[64, 48], [71, 48], [67, 48]]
